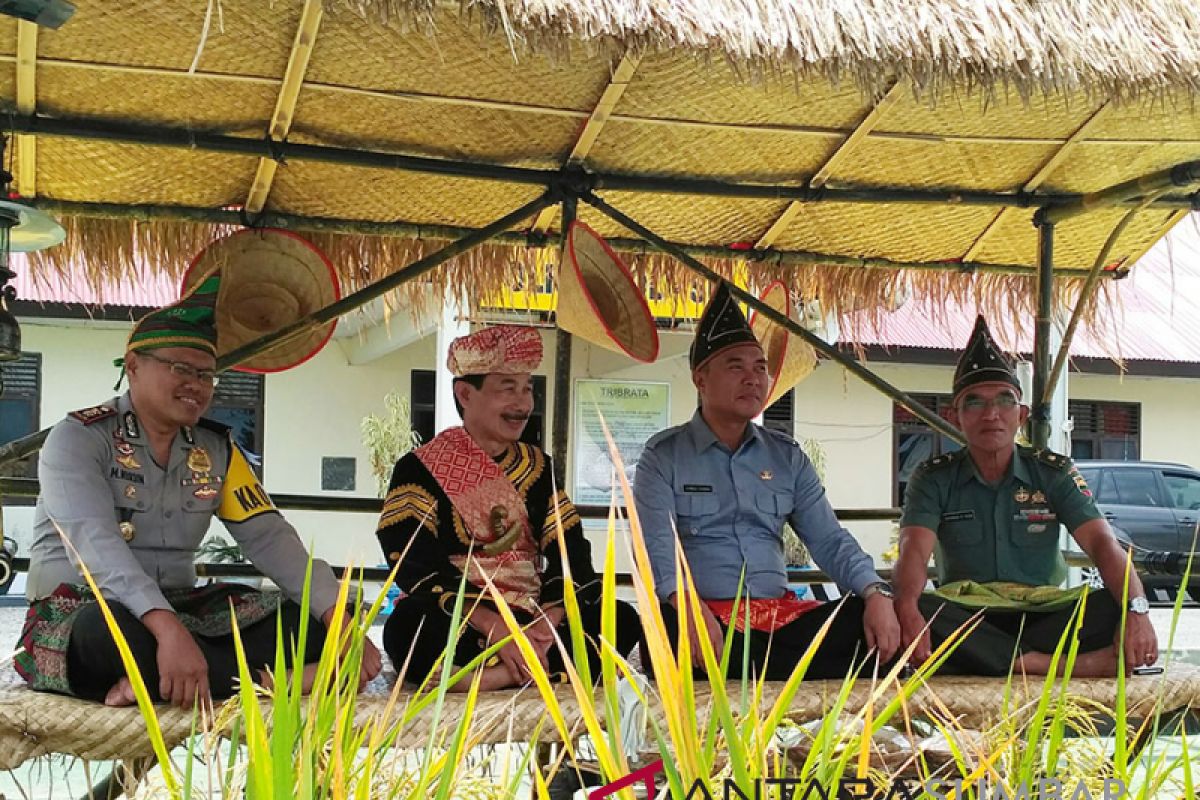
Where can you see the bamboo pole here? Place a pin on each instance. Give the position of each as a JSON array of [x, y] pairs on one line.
[[831, 352], [561, 422], [1155, 183], [1040, 418], [163, 136], [408, 230], [1085, 294]]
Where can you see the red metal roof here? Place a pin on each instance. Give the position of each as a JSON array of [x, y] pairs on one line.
[[1157, 316], [145, 290]]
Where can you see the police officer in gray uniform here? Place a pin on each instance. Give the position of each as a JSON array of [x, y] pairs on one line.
[[128, 490]]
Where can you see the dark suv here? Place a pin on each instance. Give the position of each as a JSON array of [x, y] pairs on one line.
[[1151, 505]]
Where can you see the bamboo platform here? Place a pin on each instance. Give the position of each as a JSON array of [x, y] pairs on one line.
[[36, 724]]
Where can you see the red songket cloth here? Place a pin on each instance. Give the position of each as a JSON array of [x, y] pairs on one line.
[[494, 514], [765, 615]]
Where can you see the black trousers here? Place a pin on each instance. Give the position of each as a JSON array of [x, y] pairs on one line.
[[774, 655], [94, 663], [1003, 633], [419, 626]]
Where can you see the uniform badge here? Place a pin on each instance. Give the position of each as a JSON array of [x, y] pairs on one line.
[[125, 455], [766, 475], [131, 492], [198, 460], [205, 493], [131, 426], [1022, 495], [127, 531], [1039, 497]]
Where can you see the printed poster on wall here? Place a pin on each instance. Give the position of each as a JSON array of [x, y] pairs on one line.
[[634, 411]]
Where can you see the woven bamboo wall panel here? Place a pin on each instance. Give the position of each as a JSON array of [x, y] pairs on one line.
[[933, 165], [328, 190], [456, 61], [686, 86], [629, 147], [245, 37], [193, 101], [137, 175], [444, 131], [905, 232]]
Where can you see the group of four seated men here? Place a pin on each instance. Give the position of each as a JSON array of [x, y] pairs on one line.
[[129, 489]]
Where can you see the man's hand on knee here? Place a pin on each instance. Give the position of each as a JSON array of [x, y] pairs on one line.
[[182, 668]]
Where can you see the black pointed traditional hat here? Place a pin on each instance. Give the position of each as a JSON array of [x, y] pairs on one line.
[[983, 362], [721, 325]]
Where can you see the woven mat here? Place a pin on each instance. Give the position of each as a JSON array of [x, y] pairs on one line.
[[34, 724]]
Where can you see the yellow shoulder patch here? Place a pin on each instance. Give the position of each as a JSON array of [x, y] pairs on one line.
[[242, 496]]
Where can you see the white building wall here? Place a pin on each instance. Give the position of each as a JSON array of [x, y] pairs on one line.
[[316, 410]]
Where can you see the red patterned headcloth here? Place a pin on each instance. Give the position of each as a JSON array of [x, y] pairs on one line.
[[504, 349]]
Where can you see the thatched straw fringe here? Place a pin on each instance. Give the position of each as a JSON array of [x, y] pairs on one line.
[[109, 252], [1119, 49]]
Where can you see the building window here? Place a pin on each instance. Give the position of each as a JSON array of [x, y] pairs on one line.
[[781, 415], [1111, 431], [915, 442], [20, 409], [238, 401], [423, 405], [423, 408]]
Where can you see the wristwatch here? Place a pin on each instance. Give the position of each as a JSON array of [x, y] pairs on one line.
[[1139, 605], [878, 587]]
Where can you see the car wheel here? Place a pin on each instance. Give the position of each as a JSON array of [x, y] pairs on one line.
[[7, 573]]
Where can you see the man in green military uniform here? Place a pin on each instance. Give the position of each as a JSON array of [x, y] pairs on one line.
[[128, 490], [992, 512]]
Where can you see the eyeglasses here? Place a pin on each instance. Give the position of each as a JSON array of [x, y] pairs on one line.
[[1001, 402], [186, 371]]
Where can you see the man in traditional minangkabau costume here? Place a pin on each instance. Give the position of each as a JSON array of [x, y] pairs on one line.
[[476, 501], [128, 489], [722, 487], [993, 510]]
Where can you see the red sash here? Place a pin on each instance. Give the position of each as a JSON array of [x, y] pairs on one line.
[[765, 615], [493, 513]]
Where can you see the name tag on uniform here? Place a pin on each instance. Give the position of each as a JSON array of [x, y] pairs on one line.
[[958, 516], [1035, 515], [697, 487]]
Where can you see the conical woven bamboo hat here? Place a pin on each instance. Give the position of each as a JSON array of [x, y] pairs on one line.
[[269, 279], [790, 359], [598, 299]]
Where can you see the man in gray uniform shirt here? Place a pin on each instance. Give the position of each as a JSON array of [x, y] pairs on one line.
[[132, 486], [726, 486]]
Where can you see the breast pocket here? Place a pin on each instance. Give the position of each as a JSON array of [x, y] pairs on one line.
[[961, 533], [693, 511], [774, 507], [198, 512], [1034, 532]]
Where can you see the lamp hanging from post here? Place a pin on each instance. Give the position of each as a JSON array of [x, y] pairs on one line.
[[23, 229]]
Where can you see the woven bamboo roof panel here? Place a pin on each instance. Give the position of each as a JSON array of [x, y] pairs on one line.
[[946, 95]]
